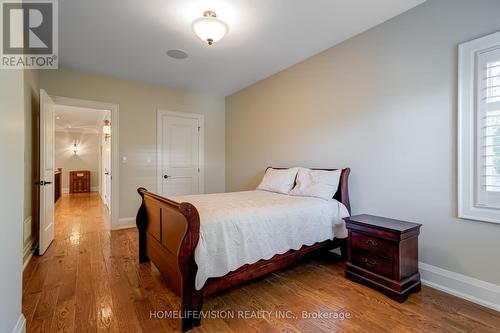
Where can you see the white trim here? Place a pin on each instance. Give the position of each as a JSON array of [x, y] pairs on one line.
[[115, 166], [463, 286], [201, 147], [467, 52], [125, 223], [29, 247], [27, 229], [20, 325], [28, 258], [65, 190], [28, 251]]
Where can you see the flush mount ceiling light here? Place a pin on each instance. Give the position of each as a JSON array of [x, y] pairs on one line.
[[210, 28]]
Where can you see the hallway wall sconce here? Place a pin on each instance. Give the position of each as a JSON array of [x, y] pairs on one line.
[[106, 129]]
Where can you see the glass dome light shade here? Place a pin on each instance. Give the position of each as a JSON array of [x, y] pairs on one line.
[[209, 28]]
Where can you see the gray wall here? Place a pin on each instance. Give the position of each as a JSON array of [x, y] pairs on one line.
[[138, 105], [384, 104], [87, 157], [11, 197]]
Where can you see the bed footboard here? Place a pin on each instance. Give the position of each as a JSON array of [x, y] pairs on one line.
[[168, 235]]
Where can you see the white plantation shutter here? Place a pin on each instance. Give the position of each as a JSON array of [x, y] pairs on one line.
[[488, 129], [479, 129]]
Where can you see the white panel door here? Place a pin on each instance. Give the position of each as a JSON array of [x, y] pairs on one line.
[[47, 133], [179, 155]]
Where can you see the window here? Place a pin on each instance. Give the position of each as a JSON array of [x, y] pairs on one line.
[[479, 129]]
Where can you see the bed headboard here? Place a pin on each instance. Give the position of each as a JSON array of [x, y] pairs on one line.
[[342, 194]]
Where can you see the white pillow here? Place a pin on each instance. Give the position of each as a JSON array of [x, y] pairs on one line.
[[278, 180], [317, 183]]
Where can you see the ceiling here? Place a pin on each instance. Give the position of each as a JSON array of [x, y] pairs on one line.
[[128, 39], [81, 120]]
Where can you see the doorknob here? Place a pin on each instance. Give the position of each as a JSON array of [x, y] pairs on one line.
[[166, 176]]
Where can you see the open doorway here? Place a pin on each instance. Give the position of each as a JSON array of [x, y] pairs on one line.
[[83, 153], [78, 167]]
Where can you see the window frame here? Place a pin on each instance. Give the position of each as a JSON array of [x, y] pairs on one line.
[[466, 132]]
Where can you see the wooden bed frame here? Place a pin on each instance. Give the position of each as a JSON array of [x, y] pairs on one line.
[[168, 235]]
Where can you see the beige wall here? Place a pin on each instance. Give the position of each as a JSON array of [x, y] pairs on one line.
[[31, 112], [12, 105], [138, 105], [87, 157], [384, 104]]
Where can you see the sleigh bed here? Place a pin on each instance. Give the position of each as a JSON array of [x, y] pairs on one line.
[[169, 233]]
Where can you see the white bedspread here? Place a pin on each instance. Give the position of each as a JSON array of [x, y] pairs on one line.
[[241, 228]]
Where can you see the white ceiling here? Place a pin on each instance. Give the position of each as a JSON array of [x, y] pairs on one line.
[[128, 38], [75, 119]]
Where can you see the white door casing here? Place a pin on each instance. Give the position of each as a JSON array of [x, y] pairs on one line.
[[47, 161], [180, 153]]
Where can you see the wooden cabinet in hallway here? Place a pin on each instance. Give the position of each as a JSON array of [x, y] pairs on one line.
[[79, 181]]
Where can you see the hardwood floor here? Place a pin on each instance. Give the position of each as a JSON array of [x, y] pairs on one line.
[[90, 281]]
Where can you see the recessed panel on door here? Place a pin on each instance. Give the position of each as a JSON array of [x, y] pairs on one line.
[[179, 156]]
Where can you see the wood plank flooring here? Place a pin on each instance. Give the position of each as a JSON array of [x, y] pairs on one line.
[[90, 281]]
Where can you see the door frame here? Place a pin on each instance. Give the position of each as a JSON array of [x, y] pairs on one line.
[[115, 166], [159, 146]]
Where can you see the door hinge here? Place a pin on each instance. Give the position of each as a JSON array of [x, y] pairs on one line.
[[198, 169], [199, 127]]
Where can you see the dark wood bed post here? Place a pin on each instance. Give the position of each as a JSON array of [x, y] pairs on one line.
[[141, 221], [342, 195], [191, 299]]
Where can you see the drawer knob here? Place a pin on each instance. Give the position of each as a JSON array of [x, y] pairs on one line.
[[371, 242], [368, 262]]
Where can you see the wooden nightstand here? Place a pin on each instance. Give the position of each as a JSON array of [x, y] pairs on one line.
[[383, 253]]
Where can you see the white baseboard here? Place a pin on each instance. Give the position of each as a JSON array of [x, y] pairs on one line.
[[20, 325], [28, 241], [27, 229], [125, 223], [29, 250], [463, 286], [65, 190]]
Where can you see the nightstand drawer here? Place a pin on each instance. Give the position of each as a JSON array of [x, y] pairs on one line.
[[373, 245], [372, 263]]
